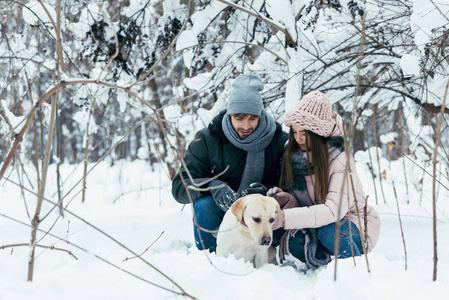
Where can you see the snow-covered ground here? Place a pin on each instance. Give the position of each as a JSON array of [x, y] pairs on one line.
[[134, 206]]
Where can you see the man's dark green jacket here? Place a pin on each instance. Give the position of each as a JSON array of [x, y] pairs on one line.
[[209, 154]]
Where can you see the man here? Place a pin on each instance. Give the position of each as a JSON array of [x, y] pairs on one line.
[[244, 146]]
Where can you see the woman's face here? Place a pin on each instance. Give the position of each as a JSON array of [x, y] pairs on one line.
[[300, 136]]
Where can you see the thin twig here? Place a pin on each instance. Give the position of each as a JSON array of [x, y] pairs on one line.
[[434, 200], [183, 293], [86, 149], [401, 125], [237, 42], [348, 146], [40, 246], [370, 166], [58, 34], [108, 236], [49, 93], [376, 143], [351, 243], [41, 193], [166, 53], [258, 16], [111, 59], [423, 169], [363, 237], [400, 224], [129, 258]]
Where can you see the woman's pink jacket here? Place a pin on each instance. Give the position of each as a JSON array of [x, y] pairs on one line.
[[340, 190]]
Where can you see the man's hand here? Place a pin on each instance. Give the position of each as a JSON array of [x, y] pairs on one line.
[[255, 188], [223, 196]]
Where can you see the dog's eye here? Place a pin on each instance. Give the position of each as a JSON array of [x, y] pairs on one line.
[[257, 220], [271, 220]]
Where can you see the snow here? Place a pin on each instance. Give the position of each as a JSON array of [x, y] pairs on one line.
[[389, 137], [88, 16], [410, 65], [133, 205], [131, 201], [17, 123], [426, 16], [188, 38], [281, 11], [34, 12]]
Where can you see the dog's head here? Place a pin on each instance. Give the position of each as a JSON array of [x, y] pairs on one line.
[[257, 212]]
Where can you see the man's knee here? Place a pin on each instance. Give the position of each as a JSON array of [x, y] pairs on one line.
[[204, 203], [208, 216], [206, 210]]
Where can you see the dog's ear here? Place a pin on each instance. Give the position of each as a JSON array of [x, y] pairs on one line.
[[237, 208], [278, 207]]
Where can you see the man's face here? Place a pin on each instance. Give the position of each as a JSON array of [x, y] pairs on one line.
[[244, 125]]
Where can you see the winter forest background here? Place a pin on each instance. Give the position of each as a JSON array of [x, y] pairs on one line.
[[89, 85]]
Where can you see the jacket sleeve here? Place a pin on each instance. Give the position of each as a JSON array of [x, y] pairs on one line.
[[197, 162], [323, 214]]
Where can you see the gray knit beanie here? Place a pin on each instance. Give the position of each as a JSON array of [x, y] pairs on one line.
[[245, 97]]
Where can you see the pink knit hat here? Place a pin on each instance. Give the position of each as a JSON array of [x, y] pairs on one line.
[[314, 113]]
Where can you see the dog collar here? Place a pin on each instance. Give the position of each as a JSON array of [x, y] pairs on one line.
[[243, 222]]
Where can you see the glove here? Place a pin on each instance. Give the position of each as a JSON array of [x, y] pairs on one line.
[[278, 220], [285, 200], [223, 196], [255, 188]]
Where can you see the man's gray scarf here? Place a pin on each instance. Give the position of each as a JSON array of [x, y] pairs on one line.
[[315, 254], [254, 144]]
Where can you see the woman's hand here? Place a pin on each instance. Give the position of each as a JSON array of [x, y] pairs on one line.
[[278, 220], [273, 191], [285, 200]]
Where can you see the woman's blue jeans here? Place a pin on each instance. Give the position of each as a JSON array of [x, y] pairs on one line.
[[326, 238], [208, 216]]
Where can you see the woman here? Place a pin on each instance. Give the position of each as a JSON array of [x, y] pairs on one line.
[[316, 189]]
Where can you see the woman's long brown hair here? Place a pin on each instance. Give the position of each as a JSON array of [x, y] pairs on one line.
[[320, 159]]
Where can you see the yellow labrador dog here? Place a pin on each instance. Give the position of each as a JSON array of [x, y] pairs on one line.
[[246, 230]]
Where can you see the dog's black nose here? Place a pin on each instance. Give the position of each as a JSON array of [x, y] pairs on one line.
[[266, 240]]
